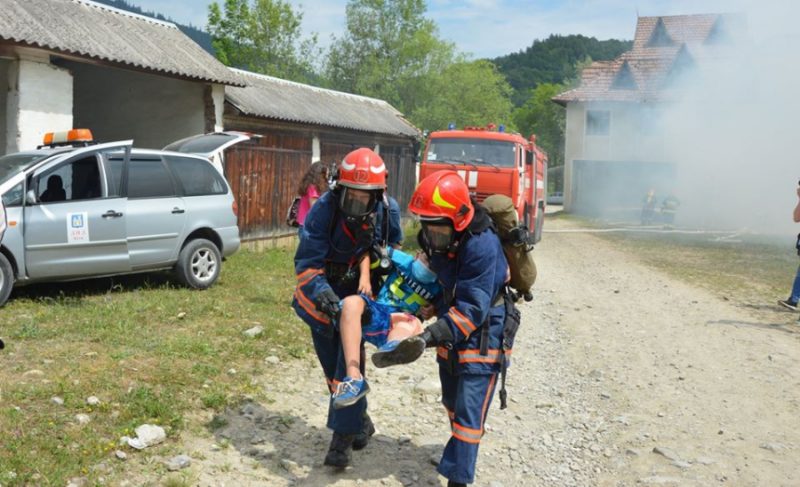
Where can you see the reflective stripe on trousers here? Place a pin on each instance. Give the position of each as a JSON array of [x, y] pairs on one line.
[[467, 398]]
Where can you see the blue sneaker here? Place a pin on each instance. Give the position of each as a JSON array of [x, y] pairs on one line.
[[349, 392], [399, 352]]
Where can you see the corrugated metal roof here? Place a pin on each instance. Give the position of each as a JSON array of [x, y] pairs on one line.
[[275, 98], [86, 29]]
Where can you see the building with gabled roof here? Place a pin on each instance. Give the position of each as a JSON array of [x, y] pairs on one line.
[[66, 63], [77, 63], [614, 146]]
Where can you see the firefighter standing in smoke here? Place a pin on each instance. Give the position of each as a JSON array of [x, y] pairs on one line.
[[467, 256], [340, 228]]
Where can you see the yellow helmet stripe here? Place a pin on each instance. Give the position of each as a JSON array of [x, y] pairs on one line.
[[439, 201]]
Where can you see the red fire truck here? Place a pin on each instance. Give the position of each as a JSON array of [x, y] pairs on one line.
[[490, 162]]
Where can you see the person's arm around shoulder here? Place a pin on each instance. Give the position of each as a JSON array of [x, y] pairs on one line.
[[797, 208]]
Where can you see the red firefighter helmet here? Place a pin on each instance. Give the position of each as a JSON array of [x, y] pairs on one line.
[[362, 169], [442, 195]]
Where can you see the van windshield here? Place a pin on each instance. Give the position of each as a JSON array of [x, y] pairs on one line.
[[481, 152], [11, 164]]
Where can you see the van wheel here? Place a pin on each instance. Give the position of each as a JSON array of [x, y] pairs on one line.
[[198, 264], [6, 279]]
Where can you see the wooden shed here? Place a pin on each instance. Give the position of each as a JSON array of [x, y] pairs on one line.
[[301, 124]]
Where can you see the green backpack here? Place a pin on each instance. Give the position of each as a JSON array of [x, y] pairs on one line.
[[517, 243]]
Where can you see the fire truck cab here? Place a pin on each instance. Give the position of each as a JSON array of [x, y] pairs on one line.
[[493, 162]]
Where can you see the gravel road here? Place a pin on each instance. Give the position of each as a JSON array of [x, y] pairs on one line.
[[621, 376]]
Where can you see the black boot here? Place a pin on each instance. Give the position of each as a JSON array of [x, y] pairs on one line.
[[339, 451], [361, 440], [450, 483]]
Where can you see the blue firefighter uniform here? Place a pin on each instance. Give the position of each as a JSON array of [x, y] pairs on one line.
[[477, 275], [327, 258]]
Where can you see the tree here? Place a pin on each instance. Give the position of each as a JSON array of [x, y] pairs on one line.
[[388, 52], [553, 60], [540, 116], [466, 93], [262, 36]]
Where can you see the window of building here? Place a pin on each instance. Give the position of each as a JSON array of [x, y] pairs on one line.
[[149, 178], [598, 122], [196, 177]]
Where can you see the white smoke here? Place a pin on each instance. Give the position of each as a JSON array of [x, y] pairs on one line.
[[733, 132]]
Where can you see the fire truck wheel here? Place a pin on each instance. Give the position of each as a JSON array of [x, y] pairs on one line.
[[537, 231], [526, 216]]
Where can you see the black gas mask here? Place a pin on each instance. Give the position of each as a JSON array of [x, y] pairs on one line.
[[438, 237], [357, 207], [357, 204]]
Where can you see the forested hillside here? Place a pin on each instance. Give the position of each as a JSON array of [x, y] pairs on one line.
[[196, 34], [553, 60]]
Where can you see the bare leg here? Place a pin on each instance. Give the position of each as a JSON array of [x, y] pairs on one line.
[[350, 329]]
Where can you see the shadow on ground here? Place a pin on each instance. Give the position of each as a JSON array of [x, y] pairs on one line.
[[294, 450], [793, 327], [94, 287]]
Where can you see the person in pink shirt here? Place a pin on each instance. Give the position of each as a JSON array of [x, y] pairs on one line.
[[313, 184]]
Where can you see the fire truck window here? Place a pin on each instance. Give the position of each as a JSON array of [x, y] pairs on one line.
[[472, 151]]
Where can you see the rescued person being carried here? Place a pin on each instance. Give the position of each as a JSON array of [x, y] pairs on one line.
[[385, 321]]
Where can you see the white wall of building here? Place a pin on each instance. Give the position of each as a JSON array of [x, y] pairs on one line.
[[218, 98], [633, 136], [153, 110], [39, 100], [5, 64]]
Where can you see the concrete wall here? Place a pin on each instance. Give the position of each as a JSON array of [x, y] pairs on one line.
[[5, 64], [39, 100], [153, 110], [633, 136]]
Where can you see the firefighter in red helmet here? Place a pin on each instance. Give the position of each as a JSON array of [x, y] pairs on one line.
[[342, 226], [466, 254]]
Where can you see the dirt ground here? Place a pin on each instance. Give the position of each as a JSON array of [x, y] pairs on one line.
[[621, 376]]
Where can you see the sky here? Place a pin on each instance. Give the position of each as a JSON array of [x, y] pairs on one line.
[[483, 28]]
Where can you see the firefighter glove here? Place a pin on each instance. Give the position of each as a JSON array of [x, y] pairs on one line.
[[438, 333], [328, 302]]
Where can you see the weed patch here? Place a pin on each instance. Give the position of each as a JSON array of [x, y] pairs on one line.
[[149, 350]]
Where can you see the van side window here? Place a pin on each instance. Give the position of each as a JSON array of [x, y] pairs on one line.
[[114, 176], [73, 181], [13, 197], [149, 178], [196, 177]]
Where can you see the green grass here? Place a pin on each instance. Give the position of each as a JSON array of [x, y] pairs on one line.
[[747, 269], [150, 350]]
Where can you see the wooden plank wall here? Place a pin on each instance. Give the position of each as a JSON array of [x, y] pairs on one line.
[[399, 162], [264, 176]]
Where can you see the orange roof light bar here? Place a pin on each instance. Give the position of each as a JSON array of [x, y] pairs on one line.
[[68, 136]]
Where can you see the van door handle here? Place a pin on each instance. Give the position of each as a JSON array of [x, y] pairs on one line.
[[177, 210], [112, 214]]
